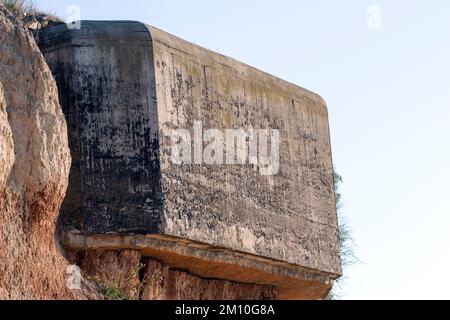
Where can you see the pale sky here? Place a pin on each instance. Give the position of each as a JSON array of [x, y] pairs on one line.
[[387, 85]]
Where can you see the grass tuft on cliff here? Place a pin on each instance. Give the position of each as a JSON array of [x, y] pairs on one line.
[[346, 242], [26, 7]]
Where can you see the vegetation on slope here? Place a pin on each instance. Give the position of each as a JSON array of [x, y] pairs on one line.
[[347, 244]]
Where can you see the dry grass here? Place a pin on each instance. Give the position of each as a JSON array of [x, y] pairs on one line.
[[347, 245], [21, 6], [27, 8]]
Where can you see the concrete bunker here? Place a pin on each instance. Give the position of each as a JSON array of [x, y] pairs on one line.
[[124, 87]]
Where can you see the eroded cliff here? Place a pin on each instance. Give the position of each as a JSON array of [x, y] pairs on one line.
[[34, 166]]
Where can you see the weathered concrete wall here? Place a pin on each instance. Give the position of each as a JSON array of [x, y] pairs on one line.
[[289, 216], [106, 83], [124, 88]]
